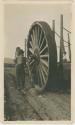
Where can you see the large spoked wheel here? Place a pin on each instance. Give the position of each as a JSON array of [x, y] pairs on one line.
[[42, 54]]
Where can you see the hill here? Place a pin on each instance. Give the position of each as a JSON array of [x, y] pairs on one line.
[[8, 61]]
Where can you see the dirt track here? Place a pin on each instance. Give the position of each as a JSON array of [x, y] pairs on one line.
[[16, 107], [53, 106]]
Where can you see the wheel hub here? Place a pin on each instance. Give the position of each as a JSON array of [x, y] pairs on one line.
[[37, 55]]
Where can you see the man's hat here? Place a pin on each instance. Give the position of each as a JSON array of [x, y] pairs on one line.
[[18, 47]]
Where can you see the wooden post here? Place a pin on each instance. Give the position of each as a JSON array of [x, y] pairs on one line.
[[61, 52], [53, 37], [69, 48], [61, 40], [55, 66]]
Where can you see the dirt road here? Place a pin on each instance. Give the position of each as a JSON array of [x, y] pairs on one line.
[[33, 106]]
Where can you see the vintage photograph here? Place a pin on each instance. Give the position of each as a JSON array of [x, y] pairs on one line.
[[37, 62]]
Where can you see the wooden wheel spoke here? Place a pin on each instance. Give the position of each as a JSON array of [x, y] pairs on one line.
[[46, 47], [44, 56], [40, 37], [31, 62], [32, 38], [30, 50], [40, 74], [32, 41], [36, 36], [30, 44], [43, 76], [45, 70], [44, 62], [42, 42]]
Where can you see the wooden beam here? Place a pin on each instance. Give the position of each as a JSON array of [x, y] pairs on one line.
[[69, 47], [61, 40]]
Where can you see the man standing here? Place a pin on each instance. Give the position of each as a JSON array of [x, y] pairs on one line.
[[20, 70]]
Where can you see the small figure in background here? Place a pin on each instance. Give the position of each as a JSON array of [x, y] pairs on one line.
[[20, 70]]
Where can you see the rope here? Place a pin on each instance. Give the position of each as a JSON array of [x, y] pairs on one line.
[[66, 30], [60, 37]]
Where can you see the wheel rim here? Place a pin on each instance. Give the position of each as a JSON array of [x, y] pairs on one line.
[[38, 47]]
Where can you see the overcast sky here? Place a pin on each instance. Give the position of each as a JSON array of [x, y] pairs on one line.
[[19, 18]]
